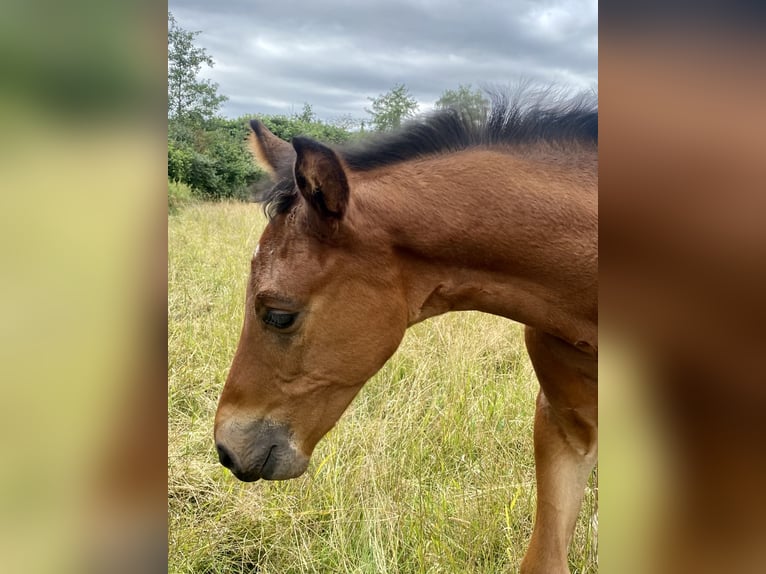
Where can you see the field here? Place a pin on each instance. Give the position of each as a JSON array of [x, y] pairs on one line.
[[430, 469]]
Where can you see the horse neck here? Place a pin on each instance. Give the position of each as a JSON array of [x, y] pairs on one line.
[[510, 235]]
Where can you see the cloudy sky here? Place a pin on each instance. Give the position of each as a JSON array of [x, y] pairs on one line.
[[271, 56]]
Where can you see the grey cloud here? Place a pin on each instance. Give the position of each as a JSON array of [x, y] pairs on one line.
[[273, 56]]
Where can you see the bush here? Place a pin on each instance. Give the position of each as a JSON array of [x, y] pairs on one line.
[[286, 128], [212, 158], [179, 162], [179, 195]]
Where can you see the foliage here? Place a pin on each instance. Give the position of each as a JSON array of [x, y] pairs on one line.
[[348, 123], [212, 157], [212, 160], [190, 98], [470, 103], [389, 110], [179, 195], [205, 152], [287, 127], [307, 114], [179, 162]]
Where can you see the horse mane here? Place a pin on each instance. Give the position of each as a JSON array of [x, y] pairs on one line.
[[512, 120]]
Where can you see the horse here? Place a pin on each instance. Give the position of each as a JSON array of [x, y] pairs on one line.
[[448, 214]]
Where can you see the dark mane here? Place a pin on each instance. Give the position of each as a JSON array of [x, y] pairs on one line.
[[511, 121]]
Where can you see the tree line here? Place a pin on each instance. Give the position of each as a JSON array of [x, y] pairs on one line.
[[209, 154]]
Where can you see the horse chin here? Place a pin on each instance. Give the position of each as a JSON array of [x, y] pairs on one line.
[[284, 474], [276, 470], [284, 464], [246, 477]]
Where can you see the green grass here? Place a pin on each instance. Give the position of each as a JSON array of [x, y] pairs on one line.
[[430, 469], [179, 195]]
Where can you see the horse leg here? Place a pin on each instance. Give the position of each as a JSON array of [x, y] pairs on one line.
[[565, 438]]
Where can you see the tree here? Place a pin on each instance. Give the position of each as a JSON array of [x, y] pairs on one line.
[[307, 115], [390, 109], [206, 152], [347, 122], [189, 97], [470, 103]]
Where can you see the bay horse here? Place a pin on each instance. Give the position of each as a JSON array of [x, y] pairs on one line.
[[446, 215]]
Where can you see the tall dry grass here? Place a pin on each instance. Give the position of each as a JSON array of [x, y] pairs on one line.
[[430, 469]]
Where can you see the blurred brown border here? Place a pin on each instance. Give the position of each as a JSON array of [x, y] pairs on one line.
[[682, 190]]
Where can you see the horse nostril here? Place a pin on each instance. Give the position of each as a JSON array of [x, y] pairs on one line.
[[224, 456]]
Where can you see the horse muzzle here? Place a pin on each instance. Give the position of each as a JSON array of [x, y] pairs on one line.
[[259, 449]]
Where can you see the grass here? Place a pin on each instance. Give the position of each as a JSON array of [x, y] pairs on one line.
[[179, 195], [430, 469]]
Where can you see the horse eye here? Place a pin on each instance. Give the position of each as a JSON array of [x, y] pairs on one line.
[[279, 319]]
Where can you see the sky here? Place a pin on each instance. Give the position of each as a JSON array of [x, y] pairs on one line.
[[272, 56]]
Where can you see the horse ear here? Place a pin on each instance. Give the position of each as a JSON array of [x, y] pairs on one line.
[[271, 153], [320, 178]]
